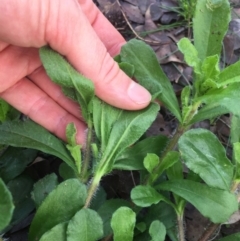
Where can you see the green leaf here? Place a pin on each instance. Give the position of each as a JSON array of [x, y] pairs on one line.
[[6, 206], [132, 157], [210, 25], [123, 223], [129, 127], [213, 203], [86, 225], [72, 145], [20, 188], [58, 207], [31, 135], [232, 237], [43, 187], [62, 73], [210, 71], [218, 102], [235, 129], [190, 54], [203, 153], [230, 75], [14, 161], [66, 172], [127, 69], [162, 212], [4, 108], [150, 162], [58, 233], [157, 231], [106, 211], [149, 73], [169, 160], [145, 196], [175, 171], [104, 116]]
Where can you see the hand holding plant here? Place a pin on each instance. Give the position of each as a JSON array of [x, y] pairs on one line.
[[210, 182], [72, 29]]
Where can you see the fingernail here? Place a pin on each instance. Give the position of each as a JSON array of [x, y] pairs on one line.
[[138, 94]]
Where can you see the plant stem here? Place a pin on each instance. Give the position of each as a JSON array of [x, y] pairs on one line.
[[87, 153], [181, 231], [92, 190], [209, 231]]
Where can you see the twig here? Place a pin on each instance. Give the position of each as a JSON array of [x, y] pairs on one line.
[[130, 26], [209, 231]]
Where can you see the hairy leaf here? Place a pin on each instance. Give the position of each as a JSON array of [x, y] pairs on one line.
[[106, 211], [31, 135], [129, 127], [145, 196], [210, 24], [58, 233], [190, 54], [58, 207], [216, 204], [14, 161], [123, 223], [43, 187], [149, 74], [157, 231], [104, 116], [86, 225], [204, 154], [132, 157], [230, 75], [62, 73], [217, 102]]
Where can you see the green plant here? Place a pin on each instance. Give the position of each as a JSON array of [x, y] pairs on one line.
[[77, 209]]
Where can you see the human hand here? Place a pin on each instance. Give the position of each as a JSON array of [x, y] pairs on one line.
[[75, 29]]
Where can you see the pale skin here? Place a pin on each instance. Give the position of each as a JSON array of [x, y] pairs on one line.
[[75, 29]]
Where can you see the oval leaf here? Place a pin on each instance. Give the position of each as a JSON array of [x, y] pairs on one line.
[[145, 196], [86, 225], [129, 127], [43, 187], [149, 73], [58, 233], [59, 206], [218, 205], [6, 206], [123, 223], [210, 24], [204, 154], [157, 231]]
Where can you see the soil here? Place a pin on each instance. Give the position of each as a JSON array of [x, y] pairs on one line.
[[141, 16]]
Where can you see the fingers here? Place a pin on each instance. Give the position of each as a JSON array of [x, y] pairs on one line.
[[85, 50], [39, 78], [36, 104], [15, 64], [107, 33]]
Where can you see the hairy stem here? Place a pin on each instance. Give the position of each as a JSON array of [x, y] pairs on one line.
[[87, 153], [180, 224], [92, 190]]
